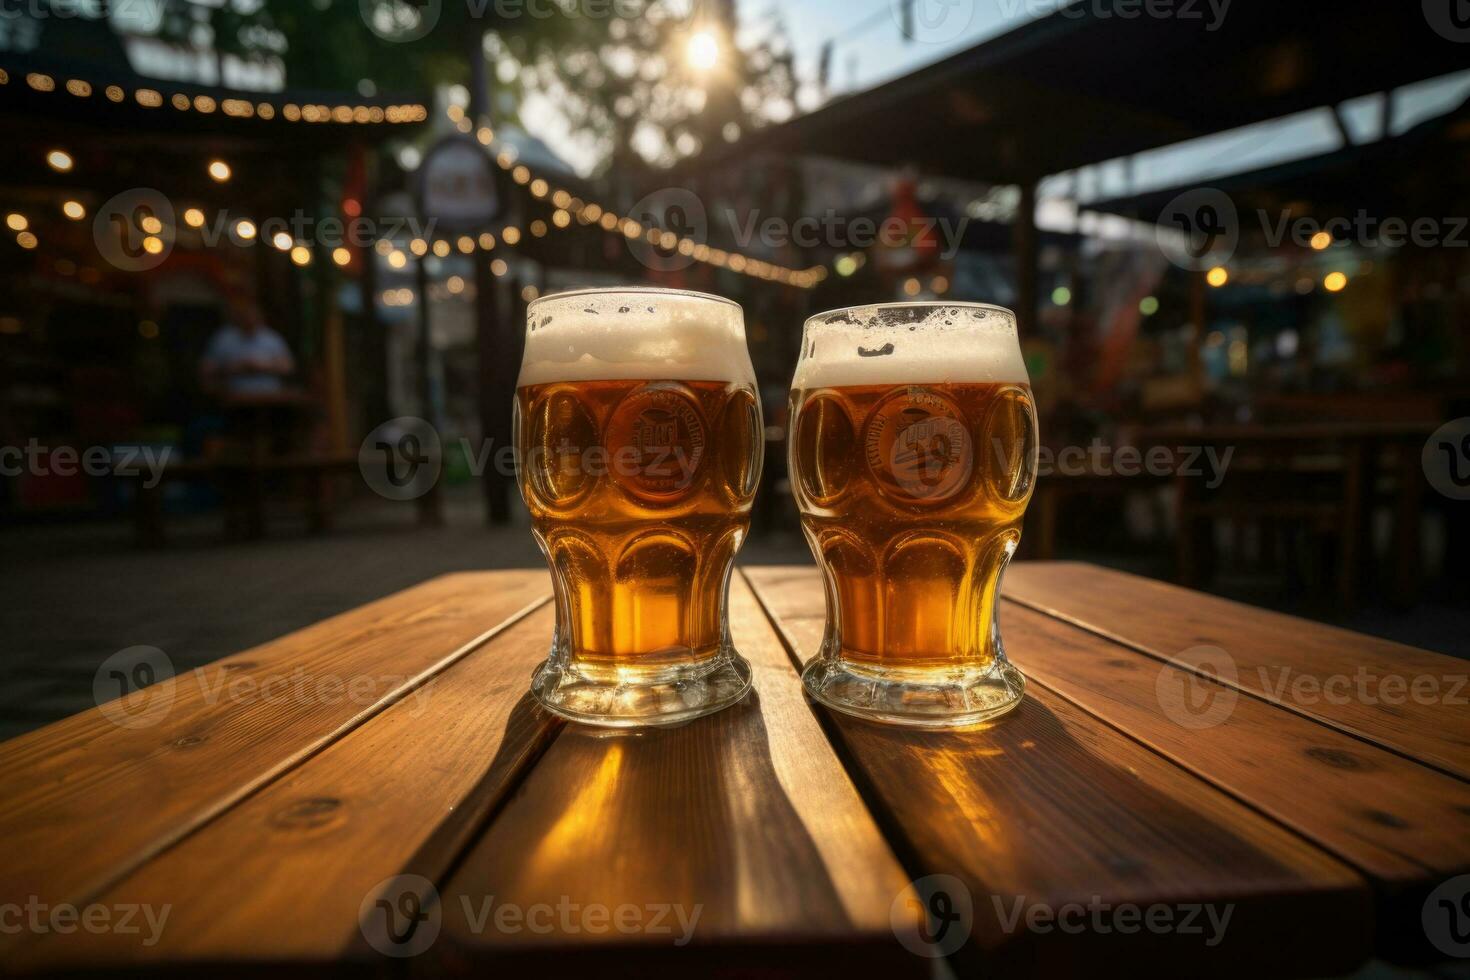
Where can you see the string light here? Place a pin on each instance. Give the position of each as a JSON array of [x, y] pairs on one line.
[[238, 108], [194, 218], [245, 229], [74, 210], [301, 255], [342, 256], [17, 222], [60, 161], [220, 171], [1218, 276]]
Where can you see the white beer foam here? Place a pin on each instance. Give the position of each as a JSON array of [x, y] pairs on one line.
[[635, 335], [932, 343]]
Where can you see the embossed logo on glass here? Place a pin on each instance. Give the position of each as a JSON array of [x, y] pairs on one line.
[[661, 429], [919, 447]]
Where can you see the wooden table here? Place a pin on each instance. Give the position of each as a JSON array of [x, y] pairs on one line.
[[400, 773]]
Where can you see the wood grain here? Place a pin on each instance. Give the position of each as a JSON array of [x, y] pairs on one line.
[[87, 802], [1405, 826], [1276, 657], [1050, 808], [280, 878], [746, 816]]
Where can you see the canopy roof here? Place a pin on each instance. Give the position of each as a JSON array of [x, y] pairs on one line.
[[1380, 179], [1103, 79]]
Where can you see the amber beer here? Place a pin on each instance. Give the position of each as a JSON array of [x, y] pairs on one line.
[[913, 455], [640, 444]]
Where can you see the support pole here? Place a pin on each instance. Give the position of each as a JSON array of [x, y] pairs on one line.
[[496, 337], [1028, 260]]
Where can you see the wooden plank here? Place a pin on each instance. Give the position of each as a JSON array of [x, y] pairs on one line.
[[280, 878], [87, 801], [1049, 809], [1276, 657], [1406, 827], [742, 828]]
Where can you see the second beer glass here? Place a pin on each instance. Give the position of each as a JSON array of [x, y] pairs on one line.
[[640, 448], [913, 454]]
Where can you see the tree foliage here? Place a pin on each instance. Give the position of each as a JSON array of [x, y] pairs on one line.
[[618, 70]]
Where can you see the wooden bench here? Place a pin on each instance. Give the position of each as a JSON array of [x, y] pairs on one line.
[[380, 783]]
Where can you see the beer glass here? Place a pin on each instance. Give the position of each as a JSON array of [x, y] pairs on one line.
[[913, 453], [640, 448]]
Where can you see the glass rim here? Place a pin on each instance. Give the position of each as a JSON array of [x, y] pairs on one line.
[[631, 291], [826, 317]]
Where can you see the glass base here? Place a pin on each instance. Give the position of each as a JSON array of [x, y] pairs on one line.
[[628, 697], [939, 698]]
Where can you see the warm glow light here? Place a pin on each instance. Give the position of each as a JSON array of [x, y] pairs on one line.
[[441, 249], [499, 268], [419, 247], [245, 229], [60, 161], [466, 245], [455, 284], [74, 210], [846, 266], [561, 219], [1321, 240], [220, 171], [940, 285], [487, 241], [26, 240], [282, 241], [301, 255], [529, 293], [510, 236], [1218, 276], [1335, 282], [153, 245], [150, 224], [702, 51], [911, 287], [17, 222], [342, 256], [194, 218], [539, 188], [397, 260]]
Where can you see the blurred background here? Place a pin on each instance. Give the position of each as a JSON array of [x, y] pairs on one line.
[[265, 267]]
